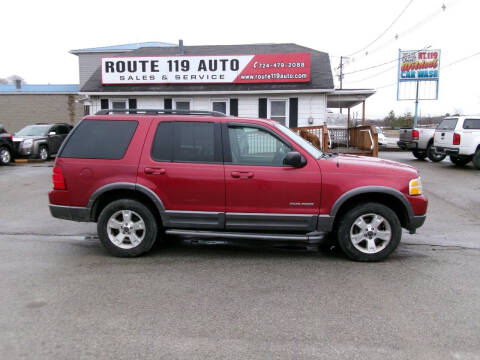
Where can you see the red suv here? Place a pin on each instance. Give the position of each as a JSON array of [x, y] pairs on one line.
[[154, 172]]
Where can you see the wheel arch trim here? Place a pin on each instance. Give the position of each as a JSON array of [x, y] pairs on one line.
[[369, 190], [126, 186]]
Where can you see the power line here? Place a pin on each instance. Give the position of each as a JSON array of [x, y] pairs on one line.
[[374, 75], [382, 64], [430, 17], [385, 31]]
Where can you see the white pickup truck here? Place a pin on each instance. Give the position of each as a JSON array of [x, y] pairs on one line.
[[420, 141], [459, 137]]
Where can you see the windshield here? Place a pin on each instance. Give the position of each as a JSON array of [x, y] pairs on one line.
[[379, 130], [312, 150], [33, 130], [447, 124]]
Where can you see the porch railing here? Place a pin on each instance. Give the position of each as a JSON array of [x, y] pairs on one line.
[[319, 133], [361, 140]]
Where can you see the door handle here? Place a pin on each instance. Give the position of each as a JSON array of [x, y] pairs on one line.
[[242, 174], [154, 171]]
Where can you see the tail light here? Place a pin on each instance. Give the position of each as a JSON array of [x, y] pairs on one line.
[[58, 179], [415, 134], [456, 139], [10, 137]]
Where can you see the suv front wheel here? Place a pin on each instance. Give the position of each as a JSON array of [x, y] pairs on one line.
[[369, 232], [127, 228]]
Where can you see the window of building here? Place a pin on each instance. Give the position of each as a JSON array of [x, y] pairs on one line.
[[278, 111], [86, 110], [254, 146], [220, 105], [182, 104], [118, 104], [186, 142]]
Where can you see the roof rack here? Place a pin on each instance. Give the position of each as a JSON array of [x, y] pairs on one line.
[[159, 111]]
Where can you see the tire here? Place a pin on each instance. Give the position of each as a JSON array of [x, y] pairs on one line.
[[419, 154], [5, 155], [460, 160], [358, 230], [43, 153], [433, 155], [116, 228], [476, 160]]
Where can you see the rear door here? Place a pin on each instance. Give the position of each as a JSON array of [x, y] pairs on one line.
[[444, 132], [182, 163], [261, 192]]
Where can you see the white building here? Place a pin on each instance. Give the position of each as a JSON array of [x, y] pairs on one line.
[[286, 82]]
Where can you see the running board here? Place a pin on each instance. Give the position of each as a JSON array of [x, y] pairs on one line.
[[311, 237]]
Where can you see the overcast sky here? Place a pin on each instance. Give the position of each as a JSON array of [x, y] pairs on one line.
[[37, 36]]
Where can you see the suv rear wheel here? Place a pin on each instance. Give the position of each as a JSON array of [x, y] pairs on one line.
[[369, 232], [127, 228]]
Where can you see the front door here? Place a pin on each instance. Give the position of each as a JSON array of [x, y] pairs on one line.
[[184, 166], [261, 192]]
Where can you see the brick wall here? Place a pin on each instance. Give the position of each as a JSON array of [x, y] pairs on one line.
[[18, 110]]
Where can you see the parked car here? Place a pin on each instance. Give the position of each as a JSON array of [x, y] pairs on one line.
[[459, 137], [420, 141], [40, 141], [141, 176], [6, 147], [381, 136]]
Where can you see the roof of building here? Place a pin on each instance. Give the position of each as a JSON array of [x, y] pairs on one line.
[[40, 89], [320, 70], [122, 47]]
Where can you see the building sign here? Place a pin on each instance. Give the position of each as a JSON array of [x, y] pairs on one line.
[[419, 65], [259, 68]]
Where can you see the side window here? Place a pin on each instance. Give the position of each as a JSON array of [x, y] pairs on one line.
[[62, 130], [471, 124], [186, 142], [162, 142], [254, 146]]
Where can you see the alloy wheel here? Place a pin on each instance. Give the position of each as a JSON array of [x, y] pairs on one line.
[[126, 229], [5, 156], [370, 233], [43, 153]]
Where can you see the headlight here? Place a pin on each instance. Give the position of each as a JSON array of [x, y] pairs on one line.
[[415, 187], [28, 143]]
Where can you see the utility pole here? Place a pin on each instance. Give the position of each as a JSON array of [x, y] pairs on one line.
[[340, 77]]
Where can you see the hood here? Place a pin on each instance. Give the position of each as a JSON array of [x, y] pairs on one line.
[[22, 138], [366, 165]]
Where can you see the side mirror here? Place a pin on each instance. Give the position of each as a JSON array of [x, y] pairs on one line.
[[52, 133], [295, 159]]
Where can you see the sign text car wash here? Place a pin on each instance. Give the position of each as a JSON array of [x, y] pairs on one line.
[[259, 68]]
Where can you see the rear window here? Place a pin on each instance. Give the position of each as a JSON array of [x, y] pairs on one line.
[[471, 124], [100, 139], [447, 124]]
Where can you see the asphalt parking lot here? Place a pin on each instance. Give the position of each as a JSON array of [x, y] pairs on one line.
[[64, 297]]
